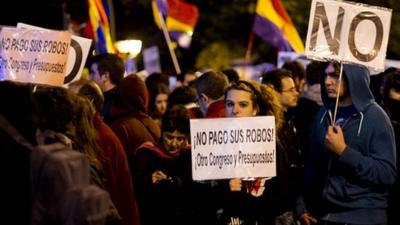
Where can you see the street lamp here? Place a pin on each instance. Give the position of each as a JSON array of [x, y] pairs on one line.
[[130, 47], [129, 50]]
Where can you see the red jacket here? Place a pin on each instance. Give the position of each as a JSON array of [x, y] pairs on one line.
[[216, 109], [118, 181]]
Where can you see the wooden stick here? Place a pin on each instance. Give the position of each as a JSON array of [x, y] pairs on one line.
[[338, 93], [168, 40]]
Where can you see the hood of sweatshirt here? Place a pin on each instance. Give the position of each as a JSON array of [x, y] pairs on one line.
[[131, 97], [358, 79]]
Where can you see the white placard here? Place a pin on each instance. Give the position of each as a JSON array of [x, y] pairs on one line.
[[348, 32], [233, 147], [78, 53], [34, 56]]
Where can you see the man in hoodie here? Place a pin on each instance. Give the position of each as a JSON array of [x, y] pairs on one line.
[[352, 160], [129, 119]]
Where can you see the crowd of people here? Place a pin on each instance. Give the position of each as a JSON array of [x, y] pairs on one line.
[[336, 143]]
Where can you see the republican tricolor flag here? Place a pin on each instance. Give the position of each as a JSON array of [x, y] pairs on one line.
[[100, 26], [273, 25], [180, 18]]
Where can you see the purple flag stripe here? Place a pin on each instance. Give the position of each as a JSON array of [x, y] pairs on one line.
[[101, 40], [175, 35], [270, 33], [162, 6]]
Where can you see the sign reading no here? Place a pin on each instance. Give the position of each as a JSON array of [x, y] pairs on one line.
[[348, 32]]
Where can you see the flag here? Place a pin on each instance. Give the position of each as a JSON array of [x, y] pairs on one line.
[[273, 25], [181, 19], [100, 26], [159, 6]]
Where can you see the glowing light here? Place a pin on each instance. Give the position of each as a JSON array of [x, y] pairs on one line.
[[130, 47]]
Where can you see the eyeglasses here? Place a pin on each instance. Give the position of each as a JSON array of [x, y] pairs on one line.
[[292, 90]]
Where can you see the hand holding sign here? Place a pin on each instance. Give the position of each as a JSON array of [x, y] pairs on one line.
[[235, 184], [334, 139]]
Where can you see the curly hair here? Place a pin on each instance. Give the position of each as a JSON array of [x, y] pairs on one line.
[[264, 97]]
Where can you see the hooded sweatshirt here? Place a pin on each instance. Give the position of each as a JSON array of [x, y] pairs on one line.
[[128, 115], [351, 188]]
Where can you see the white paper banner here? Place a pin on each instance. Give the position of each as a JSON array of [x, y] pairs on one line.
[[33, 56], [348, 32], [78, 53], [233, 147]]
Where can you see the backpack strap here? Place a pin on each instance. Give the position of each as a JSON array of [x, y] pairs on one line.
[[10, 129], [52, 135]]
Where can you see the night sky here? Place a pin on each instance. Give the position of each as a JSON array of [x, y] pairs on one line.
[[44, 13]]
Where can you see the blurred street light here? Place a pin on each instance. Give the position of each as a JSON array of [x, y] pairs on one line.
[[130, 47]]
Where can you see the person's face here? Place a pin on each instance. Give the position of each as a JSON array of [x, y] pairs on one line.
[[174, 142], [238, 103], [393, 94], [161, 102], [202, 100], [332, 83], [96, 76], [289, 94]]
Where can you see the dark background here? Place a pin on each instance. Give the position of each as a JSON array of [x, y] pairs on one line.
[[220, 37]]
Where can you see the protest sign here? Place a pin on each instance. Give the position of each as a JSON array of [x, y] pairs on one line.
[[151, 58], [78, 53], [284, 57], [33, 56], [233, 147], [348, 32]]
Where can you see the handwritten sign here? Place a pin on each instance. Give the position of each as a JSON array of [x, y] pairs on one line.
[[348, 32], [78, 53], [34, 56], [233, 147]]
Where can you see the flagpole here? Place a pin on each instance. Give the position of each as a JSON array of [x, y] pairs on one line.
[[249, 46], [168, 40], [111, 20]]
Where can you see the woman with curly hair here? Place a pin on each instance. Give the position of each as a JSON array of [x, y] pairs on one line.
[[256, 200]]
